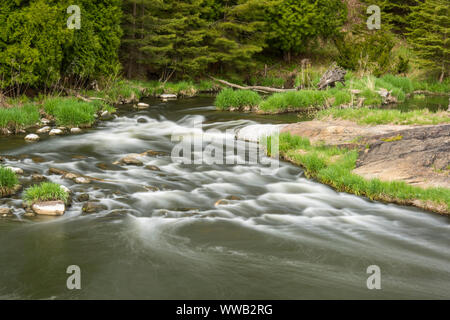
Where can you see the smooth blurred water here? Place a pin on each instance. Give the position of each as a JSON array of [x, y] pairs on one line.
[[286, 238]]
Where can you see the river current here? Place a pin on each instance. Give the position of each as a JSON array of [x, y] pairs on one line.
[[278, 236]]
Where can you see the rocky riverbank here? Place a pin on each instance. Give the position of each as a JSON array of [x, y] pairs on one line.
[[416, 155]]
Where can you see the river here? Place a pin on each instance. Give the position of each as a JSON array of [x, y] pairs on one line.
[[282, 237]]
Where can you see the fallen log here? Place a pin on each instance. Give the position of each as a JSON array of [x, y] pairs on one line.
[[254, 88]]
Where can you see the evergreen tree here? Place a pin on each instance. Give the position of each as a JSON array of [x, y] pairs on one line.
[[429, 35], [293, 24], [394, 13], [239, 33], [37, 49], [192, 36]]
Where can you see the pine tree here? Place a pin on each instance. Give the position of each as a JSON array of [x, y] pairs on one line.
[[239, 32], [294, 24], [190, 37], [394, 13], [172, 37], [429, 35]]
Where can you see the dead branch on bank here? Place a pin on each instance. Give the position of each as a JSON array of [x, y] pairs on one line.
[[254, 88]]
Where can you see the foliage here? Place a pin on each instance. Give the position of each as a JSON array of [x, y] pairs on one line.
[[429, 35], [293, 23], [37, 49], [368, 51], [394, 13]]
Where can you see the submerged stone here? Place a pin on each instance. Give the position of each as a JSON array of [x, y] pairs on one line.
[[93, 207]]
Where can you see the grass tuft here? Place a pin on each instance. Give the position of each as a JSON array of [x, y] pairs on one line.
[[8, 179], [366, 116], [71, 111], [229, 98], [19, 117], [46, 191]]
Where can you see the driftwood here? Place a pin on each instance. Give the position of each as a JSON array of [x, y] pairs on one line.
[[254, 88], [333, 75]]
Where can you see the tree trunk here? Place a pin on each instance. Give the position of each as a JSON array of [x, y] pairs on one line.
[[133, 36], [287, 56]]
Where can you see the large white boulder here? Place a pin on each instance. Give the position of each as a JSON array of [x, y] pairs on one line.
[[49, 208]]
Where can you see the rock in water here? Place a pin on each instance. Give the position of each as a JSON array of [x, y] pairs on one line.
[[75, 130], [49, 208], [93, 207], [44, 130], [55, 132], [130, 160], [32, 137], [83, 197], [38, 177], [142, 105], [168, 96], [6, 212], [45, 121], [82, 180], [16, 170]]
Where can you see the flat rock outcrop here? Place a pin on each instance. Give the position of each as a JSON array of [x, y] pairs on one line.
[[418, 155]]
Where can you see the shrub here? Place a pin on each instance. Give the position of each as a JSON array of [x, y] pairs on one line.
[[46, 191], [367, 51]]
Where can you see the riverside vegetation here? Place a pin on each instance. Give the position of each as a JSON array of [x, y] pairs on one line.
[[333, 166]]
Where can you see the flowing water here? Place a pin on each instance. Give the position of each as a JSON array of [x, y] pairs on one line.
[[282, 237]]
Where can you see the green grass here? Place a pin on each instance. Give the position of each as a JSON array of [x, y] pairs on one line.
[[334, 166], [295, 100], [366, 116], [368, 88], [230, 98], [8, 179], [71, 111], [19, 117], [46, 191], [432, 86], [270, 81]]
